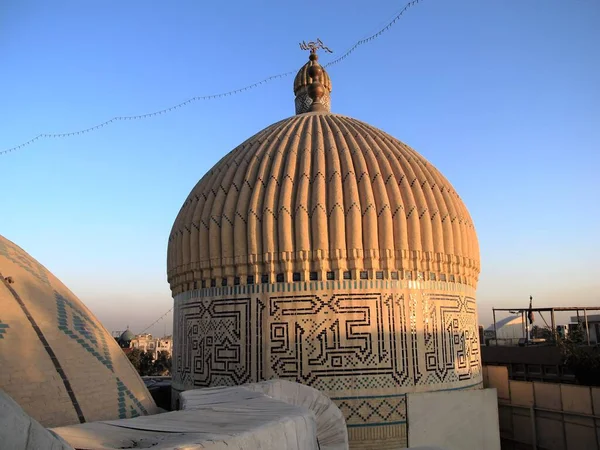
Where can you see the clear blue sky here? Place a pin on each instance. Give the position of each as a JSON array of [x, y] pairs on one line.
[[502, 96]]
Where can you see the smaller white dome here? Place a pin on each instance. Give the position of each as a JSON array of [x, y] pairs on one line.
[[57, 361]]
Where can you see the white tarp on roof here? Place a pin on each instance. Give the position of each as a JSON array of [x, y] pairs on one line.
[[233, 418], [510, 327], [331, 425], [18, 431]]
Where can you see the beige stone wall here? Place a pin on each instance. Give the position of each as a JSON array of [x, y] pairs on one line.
[[550, 416], [57, 361], [454, 420], [365, 343]]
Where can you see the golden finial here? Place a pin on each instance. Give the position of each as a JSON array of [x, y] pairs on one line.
[[311, 94]]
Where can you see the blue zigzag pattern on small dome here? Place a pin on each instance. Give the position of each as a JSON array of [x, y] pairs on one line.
[[136, 409], [24, 261], [3, 328], [82, 329]]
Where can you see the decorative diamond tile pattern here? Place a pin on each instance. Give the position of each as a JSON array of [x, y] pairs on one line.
[[3, 329], [129, 405], [76, 324]]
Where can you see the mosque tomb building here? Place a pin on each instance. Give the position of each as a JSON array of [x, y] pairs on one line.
[[323, 250]]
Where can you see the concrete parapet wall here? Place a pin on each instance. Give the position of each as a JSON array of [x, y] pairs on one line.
[[454, 420], [540, 415]]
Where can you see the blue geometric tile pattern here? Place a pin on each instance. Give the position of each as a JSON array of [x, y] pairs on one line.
[[76, 324], [22, 260], [3, 328], [136, 409]]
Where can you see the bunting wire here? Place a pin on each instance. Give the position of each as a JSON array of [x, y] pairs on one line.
[[148, 115], [156, 321], [214, 96], [374, 36]]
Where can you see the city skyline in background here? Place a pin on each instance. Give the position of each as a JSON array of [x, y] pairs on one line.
[[501, 97]]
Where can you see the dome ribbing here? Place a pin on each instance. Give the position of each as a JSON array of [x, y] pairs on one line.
[[303, 80], [320, 192]]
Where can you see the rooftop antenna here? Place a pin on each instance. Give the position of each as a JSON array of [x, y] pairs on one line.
[[530, 317]]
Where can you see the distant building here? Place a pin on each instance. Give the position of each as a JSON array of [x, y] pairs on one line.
[[124, 340], [507, 331], [593, 325], [148, 343]]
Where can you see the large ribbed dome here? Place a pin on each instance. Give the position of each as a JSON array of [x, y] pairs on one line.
[[321, 192], [324, 251]]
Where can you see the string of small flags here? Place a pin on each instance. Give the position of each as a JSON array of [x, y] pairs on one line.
[[213, 96], [374, 36], [156, 321]]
